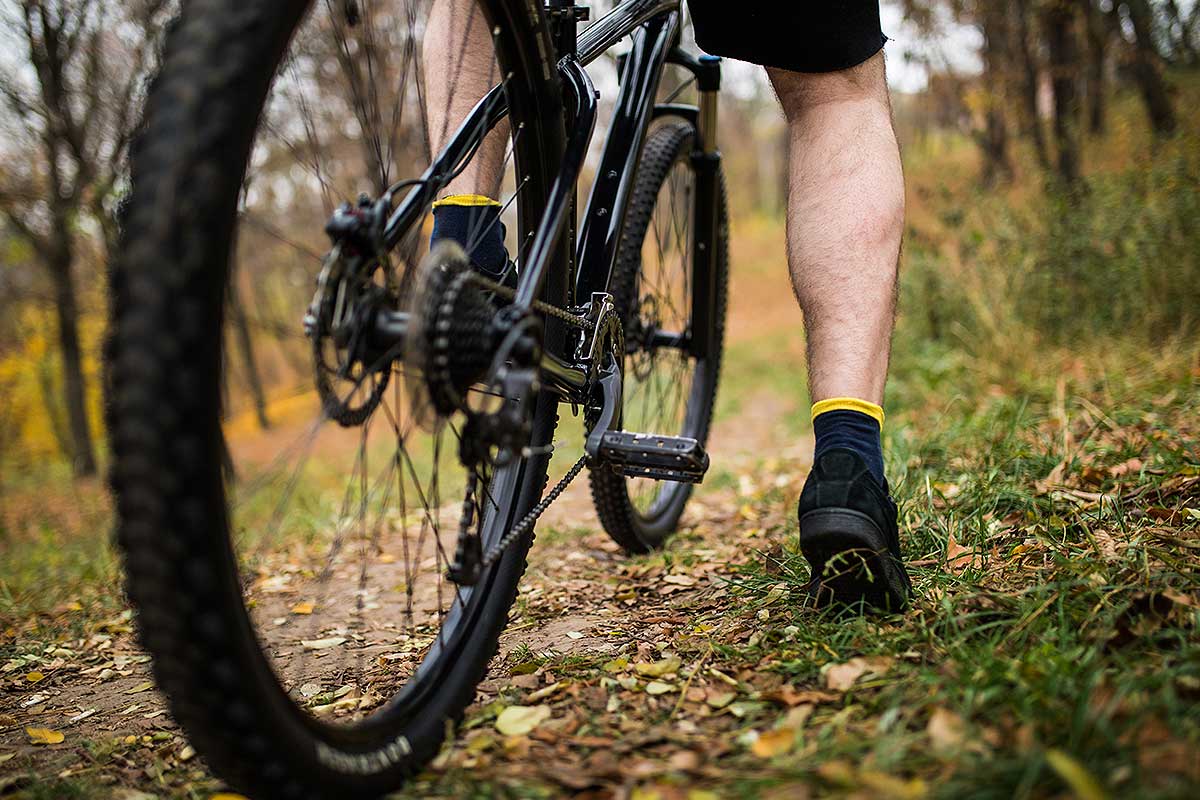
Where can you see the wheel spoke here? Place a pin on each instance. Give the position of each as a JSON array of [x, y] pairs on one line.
[[338, 519]]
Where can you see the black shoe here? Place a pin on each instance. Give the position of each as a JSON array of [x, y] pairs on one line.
[[848, 534]]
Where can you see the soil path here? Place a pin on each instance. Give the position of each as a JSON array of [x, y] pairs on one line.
[[583, 605]]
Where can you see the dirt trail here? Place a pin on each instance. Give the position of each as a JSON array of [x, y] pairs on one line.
[[581, 600]]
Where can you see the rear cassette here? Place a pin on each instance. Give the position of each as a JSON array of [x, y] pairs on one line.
[[451, 339]]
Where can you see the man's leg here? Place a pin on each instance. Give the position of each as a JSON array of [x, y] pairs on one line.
[[845, 221], [459, 66]]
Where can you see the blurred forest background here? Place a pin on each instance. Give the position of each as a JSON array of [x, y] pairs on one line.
[[1050, 150], [1044, 415]]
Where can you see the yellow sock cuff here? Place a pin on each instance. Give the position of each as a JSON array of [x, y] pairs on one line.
[[466, 200], [848, 404]]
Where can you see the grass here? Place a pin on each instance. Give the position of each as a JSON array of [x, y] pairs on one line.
[[1053, 531], [1058, 625]]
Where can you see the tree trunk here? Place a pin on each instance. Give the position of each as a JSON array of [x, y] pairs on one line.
[[1063, 49], [1029, 85], [1146, 69], [994, 138], [997, 166], [83, 458], [245, 347], [52, 400], [1098, 33]]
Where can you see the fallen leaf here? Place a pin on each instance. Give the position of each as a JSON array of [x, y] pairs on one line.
[[774, 743], [34, 677], [720, 699], [840, 677], [574, 635], [6, 757], [81, 716], [796, 717], [1083, 784], [946, 730], [721, 676], [7, 720], [1168, 515], [684, 760], [1054, 479], [303, 608], [787, 695], [680, 580], [323, 644], [133, 794], [659, 687], [520, 720], [1126, 467], [883, 785], [958, 558], [777, 592], [387, 558], [44, 736], [144, 686], [542, 694], [659, 668]]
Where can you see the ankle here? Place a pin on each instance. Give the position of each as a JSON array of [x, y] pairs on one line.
[[853, 424], [473, 221]]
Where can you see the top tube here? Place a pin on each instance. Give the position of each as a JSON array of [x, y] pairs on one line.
[[617, 24]]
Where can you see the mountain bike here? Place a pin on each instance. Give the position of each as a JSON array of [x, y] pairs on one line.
[[331, 442]]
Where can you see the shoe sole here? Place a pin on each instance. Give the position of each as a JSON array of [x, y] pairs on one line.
[[851, 563]]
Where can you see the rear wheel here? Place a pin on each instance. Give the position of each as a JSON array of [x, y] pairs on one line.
[[667, 390], [286, 517]]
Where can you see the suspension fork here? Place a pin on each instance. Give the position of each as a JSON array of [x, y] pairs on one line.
[[706, 231]]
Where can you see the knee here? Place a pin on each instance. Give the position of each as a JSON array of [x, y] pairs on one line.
[[802, 92]]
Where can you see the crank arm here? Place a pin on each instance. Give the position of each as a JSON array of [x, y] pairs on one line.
[[610, 389]]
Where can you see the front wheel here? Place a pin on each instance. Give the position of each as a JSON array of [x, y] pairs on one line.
[[667, 389]]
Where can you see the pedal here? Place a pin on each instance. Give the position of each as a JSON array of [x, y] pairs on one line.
[[648, 455]]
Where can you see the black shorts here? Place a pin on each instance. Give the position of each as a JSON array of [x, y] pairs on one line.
[[797, 35]]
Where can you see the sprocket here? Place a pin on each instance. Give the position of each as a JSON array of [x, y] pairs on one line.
[[451, 340]]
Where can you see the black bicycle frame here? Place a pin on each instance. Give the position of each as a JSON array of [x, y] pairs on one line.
[[654, 27]]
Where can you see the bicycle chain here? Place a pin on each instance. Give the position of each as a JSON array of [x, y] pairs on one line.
[[522, 527], [538, 305]]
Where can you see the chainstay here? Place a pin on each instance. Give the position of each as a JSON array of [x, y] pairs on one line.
[[538, 305], [522, 527]]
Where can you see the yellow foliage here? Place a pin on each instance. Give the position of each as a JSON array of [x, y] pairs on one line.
[[32, 370]]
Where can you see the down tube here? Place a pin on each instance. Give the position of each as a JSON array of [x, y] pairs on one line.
[[609, 200]]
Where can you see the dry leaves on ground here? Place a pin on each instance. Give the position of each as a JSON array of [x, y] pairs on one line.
[[840, 677]]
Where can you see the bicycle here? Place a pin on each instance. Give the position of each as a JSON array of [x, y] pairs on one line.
[[294, 670]]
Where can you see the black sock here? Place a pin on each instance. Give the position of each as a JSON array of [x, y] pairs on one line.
[[853, 430], [474, 222]]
